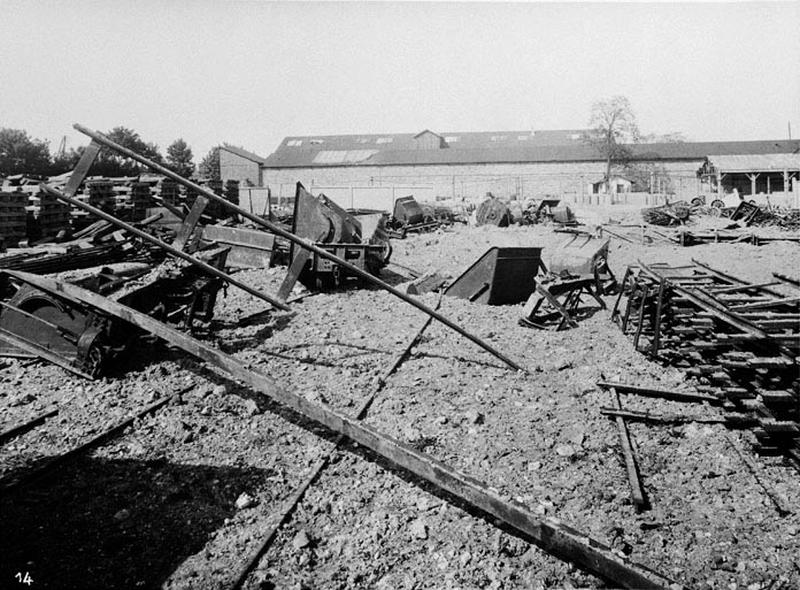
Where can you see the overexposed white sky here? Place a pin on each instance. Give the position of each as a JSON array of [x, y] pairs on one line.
[[250, 73]]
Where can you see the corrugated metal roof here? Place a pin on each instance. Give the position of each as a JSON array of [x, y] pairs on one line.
[[394, 154], [755, 162], [243, 153]]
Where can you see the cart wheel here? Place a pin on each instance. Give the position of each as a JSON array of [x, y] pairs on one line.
[[717, 203], [697, 202]]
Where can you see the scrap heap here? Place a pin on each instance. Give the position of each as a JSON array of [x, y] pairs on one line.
[[741, 341]]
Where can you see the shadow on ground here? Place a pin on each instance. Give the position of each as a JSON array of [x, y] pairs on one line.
[[114, 523]]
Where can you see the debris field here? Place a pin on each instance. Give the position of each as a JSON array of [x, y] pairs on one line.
[[412, 456]]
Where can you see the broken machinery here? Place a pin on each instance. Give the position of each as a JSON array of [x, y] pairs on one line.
[[328, 226], [578, 267], [37, 323]]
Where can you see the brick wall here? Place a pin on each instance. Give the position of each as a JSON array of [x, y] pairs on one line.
[[568, 180], [234, 167]]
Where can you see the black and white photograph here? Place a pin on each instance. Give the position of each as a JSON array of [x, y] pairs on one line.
[[346, 295]]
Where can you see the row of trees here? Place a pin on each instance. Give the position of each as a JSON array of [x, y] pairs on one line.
[[22, 154]]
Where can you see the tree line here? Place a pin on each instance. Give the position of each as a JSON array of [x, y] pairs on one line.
[[22, 154]]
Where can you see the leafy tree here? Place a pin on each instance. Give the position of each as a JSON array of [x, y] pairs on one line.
[[20, 153], [209, 166], [179, 158], [613, 125], [110, 163]]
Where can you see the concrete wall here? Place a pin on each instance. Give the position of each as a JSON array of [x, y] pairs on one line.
[[472, 182], [234, 167]]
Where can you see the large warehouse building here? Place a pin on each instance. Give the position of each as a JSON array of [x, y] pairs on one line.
[[509, 164]]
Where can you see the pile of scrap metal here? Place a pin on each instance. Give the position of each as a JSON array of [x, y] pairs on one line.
[[493, 211], [546, 210], [638, 234], [670, 214], [740, 340], [553, 291], [46, 323], [362, 240], [410, 217], [100, 243], [746, 215]]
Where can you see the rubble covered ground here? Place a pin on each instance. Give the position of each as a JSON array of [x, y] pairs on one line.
[[157, 507]]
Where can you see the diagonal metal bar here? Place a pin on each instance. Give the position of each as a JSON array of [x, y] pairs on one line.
[[308, 245], [550, 534], [173, 251]]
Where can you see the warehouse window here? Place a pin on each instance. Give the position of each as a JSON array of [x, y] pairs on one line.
[[316, 142], [452, 138], [575, 136], [294, 142], [384, 140], [363, 140], [498, 137], [523, 137]]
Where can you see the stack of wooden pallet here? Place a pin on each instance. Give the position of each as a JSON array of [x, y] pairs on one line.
[[13, 217], [47, 216], [131, 199], [101, 194], [169, 191], [741, 341]]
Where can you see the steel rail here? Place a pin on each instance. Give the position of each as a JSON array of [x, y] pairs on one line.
[[287, 508], [550, 534], [156, 242], [24, 427], [59, 461], [308, 245]]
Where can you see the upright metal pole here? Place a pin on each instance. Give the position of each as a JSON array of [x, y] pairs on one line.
[[307, 244]]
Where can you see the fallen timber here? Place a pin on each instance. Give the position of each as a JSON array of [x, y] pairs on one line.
[[740, 340], [306, 244], [551, 535]]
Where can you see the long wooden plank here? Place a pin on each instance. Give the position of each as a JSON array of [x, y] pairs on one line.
[[551, 535]]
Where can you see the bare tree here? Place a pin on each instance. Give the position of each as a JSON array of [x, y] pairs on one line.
[[613, 125]]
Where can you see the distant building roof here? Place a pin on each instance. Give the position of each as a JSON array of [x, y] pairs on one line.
[[243, 153], [491, 147], [754, 162]]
